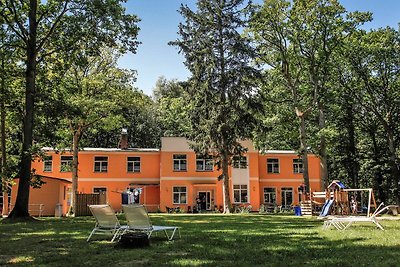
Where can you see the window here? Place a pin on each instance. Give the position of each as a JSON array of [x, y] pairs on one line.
[[287, 197], [48, 164], [179, 195], [66, 163], [100, 164], [240, 193], [180, 163], [133, 164], [239, 162], [269, 195], [204, 164], [272, 166], [297, 166], [100, 190]]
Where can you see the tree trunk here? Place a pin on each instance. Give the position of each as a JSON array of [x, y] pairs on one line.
[[3, 162], [225, 174], [394, 164], [22, 201], [75, 152], [304, 152], [353, 165], [378, 181], [322, 146]]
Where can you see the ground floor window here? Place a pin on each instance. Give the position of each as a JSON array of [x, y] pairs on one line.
[[179, 195], [269, 195], [99, 190], [240, 193], [287, 197]]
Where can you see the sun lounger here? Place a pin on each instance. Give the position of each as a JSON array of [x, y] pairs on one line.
[[344, 222], [106, 221], [138, 220]]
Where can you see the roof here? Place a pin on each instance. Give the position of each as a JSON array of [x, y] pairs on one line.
[[93, 149], [279, 152]]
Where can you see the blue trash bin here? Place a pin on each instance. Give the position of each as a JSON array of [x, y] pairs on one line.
[[297, 211]]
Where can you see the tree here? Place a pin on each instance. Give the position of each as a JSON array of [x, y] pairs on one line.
[[374, 58], [173, 108], [222, 84], [35, 24], [299, 39], [92, 88]]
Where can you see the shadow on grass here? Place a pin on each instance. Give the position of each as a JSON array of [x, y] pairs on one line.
[[207, 240]]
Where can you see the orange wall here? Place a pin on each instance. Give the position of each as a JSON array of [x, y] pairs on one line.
[[150, 165], [50, 194], [157, 177]]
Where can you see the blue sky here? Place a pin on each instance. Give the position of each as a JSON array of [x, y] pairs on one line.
[[159, 25]]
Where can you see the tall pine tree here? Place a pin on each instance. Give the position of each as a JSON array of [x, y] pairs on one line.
[[220, 88]]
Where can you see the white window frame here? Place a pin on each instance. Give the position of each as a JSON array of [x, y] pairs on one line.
[[297, 166], [66, 165], [103, 164], [239, 162], [179, 160], [287, 189], [135, 163], [274, 169], [179, 194], [46, 161], [239, 189], [269, 194], [206, 164]]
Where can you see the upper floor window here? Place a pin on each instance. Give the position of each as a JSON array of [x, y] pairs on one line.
[[133, 164], [100, 164], [204, 163], [180, 162], [66, 164], [240, 193], [272, 166], [297, 166], [48, 164], [239, 162], [179, 195]]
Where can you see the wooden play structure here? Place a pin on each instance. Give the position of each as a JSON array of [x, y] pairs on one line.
[[339, 200]]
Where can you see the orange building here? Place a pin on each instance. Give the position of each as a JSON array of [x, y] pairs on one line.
[[173, 176]]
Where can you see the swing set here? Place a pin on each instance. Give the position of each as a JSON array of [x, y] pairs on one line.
[[340, 200]]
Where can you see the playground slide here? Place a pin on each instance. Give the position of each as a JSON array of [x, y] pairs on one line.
[[326, 207]]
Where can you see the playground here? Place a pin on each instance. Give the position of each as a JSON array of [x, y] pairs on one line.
[[207, 240]]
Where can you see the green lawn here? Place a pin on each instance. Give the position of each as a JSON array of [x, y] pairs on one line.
[[213, 240]]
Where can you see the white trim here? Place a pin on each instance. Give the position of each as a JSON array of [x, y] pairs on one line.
[[115, 179], [188, 178], [287, 180], [99, 149], [254, 178]]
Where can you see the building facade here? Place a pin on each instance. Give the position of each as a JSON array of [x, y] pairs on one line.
[[174, 176]]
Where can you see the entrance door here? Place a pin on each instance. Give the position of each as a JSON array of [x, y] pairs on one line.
[[205, 200], [287, 197]]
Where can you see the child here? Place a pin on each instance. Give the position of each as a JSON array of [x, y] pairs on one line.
[[353, 204]]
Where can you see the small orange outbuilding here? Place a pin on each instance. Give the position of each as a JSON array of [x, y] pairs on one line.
[[48, 200], [173, 176]]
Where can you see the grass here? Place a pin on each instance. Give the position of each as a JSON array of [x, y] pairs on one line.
[[207, 240]]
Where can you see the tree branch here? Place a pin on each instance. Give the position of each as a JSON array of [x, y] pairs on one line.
[[55, 24]]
